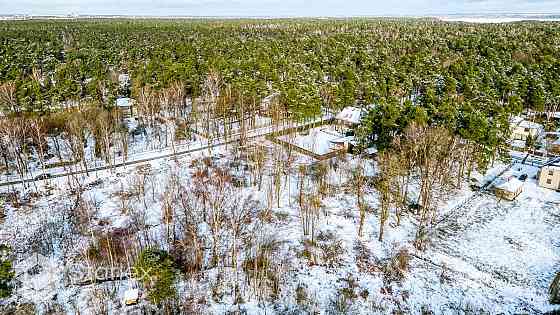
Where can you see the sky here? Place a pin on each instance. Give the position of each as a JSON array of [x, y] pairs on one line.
[[277, 8]]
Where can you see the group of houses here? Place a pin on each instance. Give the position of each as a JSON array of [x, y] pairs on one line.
[[522, 130], [549, 174], [548, 177]]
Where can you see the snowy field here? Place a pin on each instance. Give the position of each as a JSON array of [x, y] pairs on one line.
[[494, 257]]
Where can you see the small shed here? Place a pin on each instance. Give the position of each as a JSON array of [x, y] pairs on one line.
[[509, 189], [125, 105], [131, 296], [370, 152], [344, 143]]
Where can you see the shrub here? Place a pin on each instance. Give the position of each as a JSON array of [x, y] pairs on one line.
[[332, 248], [395, 269], [402, 260], [301, 295], [345, 296], [7, 273], [154, 268]]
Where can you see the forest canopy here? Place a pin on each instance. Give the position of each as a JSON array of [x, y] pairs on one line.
[[469, 79]]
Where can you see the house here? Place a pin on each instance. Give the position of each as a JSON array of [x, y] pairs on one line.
[[350, 116], [549, 177], [124, 80], [269, 103], [125, 106], [521, 129], [509, 189]]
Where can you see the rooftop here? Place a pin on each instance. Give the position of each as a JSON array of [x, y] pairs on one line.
[[351, 114]]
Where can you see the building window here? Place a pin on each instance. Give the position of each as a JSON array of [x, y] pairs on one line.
[[549, 181], [550, 172], [527, 129]]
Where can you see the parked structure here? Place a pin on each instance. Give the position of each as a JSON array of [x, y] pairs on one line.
[[509, 189], [549, 177]]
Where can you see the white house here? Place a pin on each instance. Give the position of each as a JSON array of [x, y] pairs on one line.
[[521, 129], [131, 296], [549, 177]]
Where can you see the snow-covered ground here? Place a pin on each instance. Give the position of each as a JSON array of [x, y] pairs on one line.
[[495, 257]]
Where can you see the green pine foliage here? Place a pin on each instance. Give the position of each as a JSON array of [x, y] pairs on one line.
[[155, 269], [7, 273], [352, 60]]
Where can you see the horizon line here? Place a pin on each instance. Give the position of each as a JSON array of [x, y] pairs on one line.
[[430, 15]]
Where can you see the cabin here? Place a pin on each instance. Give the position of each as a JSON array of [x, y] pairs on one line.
[[549, 177], [521, 129], [509, 189]]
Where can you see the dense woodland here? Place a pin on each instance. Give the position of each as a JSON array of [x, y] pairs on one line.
[[443, 96], [466, 78]]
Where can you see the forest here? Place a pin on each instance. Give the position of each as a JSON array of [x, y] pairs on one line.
[[232, 221]]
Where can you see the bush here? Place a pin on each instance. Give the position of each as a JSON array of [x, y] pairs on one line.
[[7, 273], [155, 269], [395, 269], [332, 249]]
